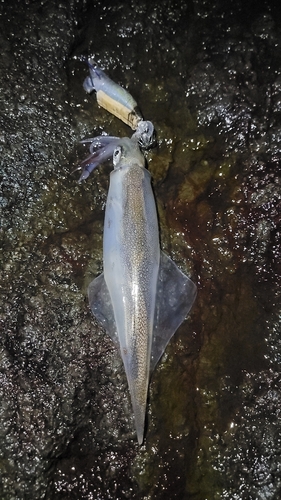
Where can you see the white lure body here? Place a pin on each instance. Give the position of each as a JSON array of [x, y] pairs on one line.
[[112, 96]]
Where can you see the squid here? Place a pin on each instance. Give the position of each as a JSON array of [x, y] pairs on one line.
[[102, 147], [142, 297]]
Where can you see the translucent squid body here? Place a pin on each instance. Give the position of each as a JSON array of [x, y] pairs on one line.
[[142, 297]]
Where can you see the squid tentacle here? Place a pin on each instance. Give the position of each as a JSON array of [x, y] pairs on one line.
[[105, 146]]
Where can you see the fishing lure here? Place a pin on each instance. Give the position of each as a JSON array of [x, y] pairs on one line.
[[120, 103]]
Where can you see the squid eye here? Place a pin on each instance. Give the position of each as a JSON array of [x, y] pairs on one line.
[[117, 155]]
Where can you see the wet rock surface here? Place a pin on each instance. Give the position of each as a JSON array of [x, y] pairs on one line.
[[208, 76]]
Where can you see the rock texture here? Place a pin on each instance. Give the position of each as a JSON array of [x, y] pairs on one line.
[[208, 76]]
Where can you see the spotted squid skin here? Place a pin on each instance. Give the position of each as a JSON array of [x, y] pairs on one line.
[[131, 265]]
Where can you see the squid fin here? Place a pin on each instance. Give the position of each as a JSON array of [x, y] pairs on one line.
[[174, 299], [101, 307]]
